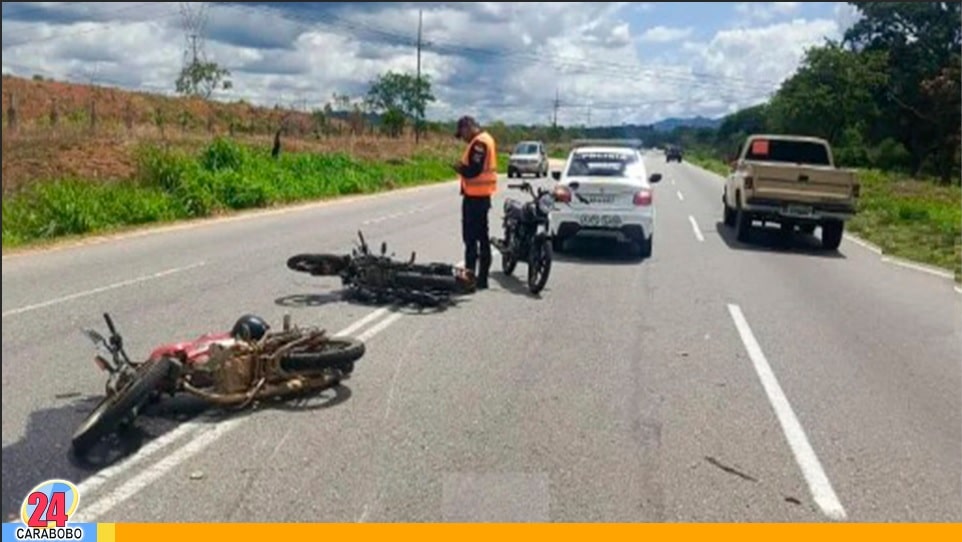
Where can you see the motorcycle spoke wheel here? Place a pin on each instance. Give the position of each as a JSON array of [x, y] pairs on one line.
[[539, 268], [114, 410]]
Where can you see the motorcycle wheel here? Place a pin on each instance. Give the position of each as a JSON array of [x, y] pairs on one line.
[[508, 259], [111, 412], [317, 264], [336, 353], [539, 266]]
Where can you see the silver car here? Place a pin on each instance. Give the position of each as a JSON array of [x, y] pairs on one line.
[[528, 157]]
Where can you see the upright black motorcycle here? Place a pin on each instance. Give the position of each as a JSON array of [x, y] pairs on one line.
[[526, 235]]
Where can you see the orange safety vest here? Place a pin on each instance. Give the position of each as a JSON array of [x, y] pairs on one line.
[[485, 184]]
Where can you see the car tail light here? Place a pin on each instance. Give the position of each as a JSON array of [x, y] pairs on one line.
[[562, 194], [643, 197]]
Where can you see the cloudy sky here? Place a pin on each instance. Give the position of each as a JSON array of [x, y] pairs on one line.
[[608, 62]]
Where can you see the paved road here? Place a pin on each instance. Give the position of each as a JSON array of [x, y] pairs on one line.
[[715, 381]]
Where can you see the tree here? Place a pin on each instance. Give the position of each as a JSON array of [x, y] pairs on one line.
[[399, 97], [921, 40], [834, 89], [201, 79]]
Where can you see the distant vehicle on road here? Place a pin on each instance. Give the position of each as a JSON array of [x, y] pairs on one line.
[[673, 152], [528, 157], [609, 194], [792, 181]]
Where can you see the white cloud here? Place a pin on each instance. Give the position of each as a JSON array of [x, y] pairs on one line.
[[494, 60], [765, 11], [664, 34]]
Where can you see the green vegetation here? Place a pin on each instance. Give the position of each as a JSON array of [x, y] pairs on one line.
[[225, 176]]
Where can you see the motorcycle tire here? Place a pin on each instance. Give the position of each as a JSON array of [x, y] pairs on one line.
[[112, 411], [539, 266], [317, 264], [508, 260], [337, 353]]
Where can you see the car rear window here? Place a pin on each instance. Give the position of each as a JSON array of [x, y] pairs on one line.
[[792, 152], [600, 164], [526, 148]]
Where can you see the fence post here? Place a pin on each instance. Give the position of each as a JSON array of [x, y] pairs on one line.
[[129, 116], [12, 113], [93, 114], [54, 112]]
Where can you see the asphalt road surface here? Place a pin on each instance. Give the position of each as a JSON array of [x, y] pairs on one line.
[[714, 381]]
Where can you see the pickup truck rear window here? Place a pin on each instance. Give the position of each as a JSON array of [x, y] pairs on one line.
[[792, 152]]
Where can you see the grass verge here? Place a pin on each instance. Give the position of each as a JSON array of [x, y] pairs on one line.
[[225, 176], [917, 220]]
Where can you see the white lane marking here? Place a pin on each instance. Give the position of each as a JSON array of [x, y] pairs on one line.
[[673, 181], [380, 326], [918, 267], [681, 197], [102, 289], [91, 484], [864, 244], [362, 322], [697, 230], [190, 428], [818, 482], [136, 484], [958, 289]]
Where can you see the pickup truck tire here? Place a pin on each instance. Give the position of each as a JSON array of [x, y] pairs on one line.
[[743, 223], [729, 216], [832, 234]]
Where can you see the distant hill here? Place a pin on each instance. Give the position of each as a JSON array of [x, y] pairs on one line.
[[670, 124]]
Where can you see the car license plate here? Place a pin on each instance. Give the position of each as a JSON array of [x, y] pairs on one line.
[[799, 210], [607, 221]]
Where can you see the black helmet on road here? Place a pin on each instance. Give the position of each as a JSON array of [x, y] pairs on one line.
[[250, 327]]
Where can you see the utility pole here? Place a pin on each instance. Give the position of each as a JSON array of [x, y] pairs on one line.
[[557, 104], [417, 121]]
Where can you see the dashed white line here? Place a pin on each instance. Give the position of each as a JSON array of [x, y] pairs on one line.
[[102, 289], [696, 229], [818, 482], [201, 438], [681, 197]]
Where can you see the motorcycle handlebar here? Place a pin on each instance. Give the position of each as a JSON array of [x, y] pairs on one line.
[[110, 324]]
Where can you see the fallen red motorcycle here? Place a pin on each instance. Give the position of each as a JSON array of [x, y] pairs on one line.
[[251, 362]]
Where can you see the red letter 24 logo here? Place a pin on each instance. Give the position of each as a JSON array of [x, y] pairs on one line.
[[50, 504]]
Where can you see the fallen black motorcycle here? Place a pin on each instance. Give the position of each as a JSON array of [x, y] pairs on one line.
[[526, 235], [382, 279]]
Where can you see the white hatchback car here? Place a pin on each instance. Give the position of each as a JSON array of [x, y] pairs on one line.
[[604, 191]]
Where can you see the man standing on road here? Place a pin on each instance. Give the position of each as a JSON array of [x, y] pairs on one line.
[[478, 172]]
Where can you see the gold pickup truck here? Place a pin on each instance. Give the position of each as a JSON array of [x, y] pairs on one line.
[[791, 181]]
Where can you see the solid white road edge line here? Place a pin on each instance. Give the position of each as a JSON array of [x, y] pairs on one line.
[[818, 482], [113, 286], [696, 229], [918, 267], [155, 471]]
